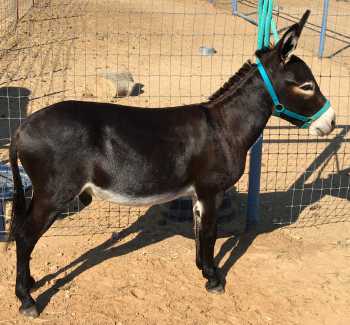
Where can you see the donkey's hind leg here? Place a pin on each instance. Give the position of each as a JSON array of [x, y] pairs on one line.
[[40, 216]]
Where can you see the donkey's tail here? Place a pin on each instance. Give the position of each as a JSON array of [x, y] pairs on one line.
[[19, 204]]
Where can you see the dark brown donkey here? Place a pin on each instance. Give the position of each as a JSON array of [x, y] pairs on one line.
[[138, 156]]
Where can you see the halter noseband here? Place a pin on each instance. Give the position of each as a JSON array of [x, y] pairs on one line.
[[281, 109]]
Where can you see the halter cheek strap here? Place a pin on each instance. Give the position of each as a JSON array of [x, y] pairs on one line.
[[281, 109]]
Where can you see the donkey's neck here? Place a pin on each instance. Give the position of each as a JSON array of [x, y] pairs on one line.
[[242, 112]]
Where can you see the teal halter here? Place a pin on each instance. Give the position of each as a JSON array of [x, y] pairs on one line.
[[281, 109]]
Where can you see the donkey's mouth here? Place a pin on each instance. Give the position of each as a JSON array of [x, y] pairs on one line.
[[319, 132], [323, 125]]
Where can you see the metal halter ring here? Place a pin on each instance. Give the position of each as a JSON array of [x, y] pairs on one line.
[[279, 108]]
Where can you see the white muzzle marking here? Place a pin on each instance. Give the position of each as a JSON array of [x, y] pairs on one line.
[[324, 124]]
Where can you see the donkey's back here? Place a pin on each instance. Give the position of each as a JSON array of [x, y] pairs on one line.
[[127, 155]]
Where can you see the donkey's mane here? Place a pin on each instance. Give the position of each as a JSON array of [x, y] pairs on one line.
[[238, 79], [235, 81]]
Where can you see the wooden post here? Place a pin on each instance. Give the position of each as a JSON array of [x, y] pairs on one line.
[[17, 11]]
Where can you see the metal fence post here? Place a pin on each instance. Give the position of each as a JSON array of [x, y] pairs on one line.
[[253, 203], [323, 28], [234, 7], [2, 220]]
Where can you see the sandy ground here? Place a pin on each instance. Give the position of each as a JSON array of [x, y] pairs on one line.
[[149, 277], [295, 276]]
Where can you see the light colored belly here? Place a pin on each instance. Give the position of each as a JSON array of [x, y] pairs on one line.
[[125, 199]]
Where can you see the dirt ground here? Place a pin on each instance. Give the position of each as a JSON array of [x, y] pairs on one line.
[[298, 275]]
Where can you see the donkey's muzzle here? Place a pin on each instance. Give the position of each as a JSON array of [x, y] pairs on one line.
[[324, 125]]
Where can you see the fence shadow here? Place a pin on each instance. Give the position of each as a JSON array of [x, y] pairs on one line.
[[302, 194], [151, 228]]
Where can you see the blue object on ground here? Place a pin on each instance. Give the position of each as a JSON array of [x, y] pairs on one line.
[[207, 51], [6, 181], [7, 190]]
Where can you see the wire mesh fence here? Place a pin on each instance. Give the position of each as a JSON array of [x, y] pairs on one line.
[[77, 50], [8, 16], [11, 11], [308, 176]]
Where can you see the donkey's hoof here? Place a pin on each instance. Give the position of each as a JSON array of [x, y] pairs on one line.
[[215, 287], [31, 311]]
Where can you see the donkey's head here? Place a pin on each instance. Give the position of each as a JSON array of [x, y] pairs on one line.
[[298, 98]]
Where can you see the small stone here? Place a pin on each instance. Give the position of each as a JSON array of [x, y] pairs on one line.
[[88, 95], [54, 268], [315, 207], [138, 293]]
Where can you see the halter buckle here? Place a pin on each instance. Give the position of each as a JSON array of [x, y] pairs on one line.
[[279, 108]]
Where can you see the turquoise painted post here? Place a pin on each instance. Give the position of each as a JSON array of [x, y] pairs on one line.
[[265, 23]]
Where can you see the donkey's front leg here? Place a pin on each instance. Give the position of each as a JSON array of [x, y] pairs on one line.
[[207, 232]]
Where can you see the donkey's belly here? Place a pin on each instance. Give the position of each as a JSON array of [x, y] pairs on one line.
[[136, 200]]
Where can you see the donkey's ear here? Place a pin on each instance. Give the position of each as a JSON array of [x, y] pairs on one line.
[[303, 20], [288, 43], [289, 40]]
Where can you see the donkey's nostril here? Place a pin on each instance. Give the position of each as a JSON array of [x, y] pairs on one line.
[[333, 124], [320, 132]]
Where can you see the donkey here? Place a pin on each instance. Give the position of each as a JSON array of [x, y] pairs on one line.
[[136, 156]]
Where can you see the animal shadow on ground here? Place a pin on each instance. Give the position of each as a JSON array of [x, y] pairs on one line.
[[150, 228], [156, 226]]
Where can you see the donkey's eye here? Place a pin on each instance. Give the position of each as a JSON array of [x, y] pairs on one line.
[[307, 86]]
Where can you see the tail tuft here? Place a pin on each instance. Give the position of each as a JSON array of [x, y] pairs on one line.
[[19, 203]]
